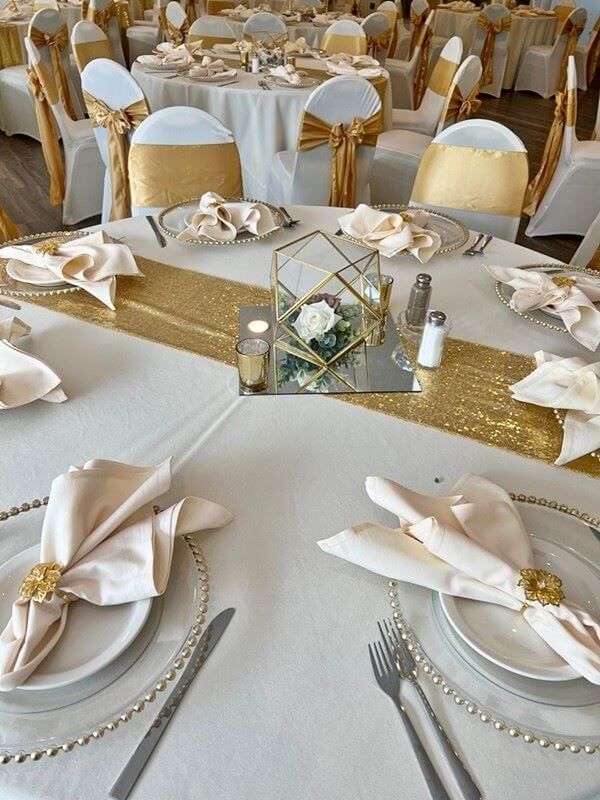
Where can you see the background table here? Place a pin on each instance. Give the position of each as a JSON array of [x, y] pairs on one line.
[[70, 13], [525, 32], [286, 706], [447, 23]]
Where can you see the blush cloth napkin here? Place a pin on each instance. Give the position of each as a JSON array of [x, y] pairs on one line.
[[23, 377], [221, 221], [286, 73], [299, 47], [571, 384], [208, 67], [90, 263], [472, 544], [112, 548], [391, 233], [572, 302], [168, 54], [363, 66]]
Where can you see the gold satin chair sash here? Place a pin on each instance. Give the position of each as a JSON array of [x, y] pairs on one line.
[[393, 18], [573, 33], [565, 113], [85, 52], [418, 22], [177, 35], [8, 229], [101, 18], [340, 43], [11, 52], [214, 7], [209, 41], [163, 174], [376, 44], [594, 53], [56, 43], [190, 11], [496, 184], [459, 107], [421, 77], [44, 93], [344, 142], [118, 123], [492, 29], [85, 4]]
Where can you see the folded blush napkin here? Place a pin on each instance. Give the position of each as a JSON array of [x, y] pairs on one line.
[[106, 546], [209, 67], [23, 377], [571, 384], [570, 296], [473, 545], [286, 73], [391, 233], [90, 263], [221, 221]]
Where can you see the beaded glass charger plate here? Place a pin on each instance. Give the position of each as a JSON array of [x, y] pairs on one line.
[[174, 219], [10, 271], [304, 83], [33, 724], [564, 715]]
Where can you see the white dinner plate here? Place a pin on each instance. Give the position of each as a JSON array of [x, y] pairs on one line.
[[504, 638], [94, 636], [28, 273]]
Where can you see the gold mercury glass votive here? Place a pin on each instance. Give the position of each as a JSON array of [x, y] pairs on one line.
[[386, 283], [253, 365], [290, 59], [244, 59]]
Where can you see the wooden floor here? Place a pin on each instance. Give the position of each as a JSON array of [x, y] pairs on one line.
[[24, 181]]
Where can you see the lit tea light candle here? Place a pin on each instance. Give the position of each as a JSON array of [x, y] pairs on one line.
[[258, 326]]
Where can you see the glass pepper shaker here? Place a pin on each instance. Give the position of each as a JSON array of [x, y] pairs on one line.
[[432, 342], [418, 301]]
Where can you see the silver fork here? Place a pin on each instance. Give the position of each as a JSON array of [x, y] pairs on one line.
[[289, 222], [483, 245], [408, 670], [388, 678], [472, 250]]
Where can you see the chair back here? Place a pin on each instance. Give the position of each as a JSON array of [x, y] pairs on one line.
[[211, 31], [88, 42], [565, 45], [214, 7], [179, 153], [344, 36], [342, 114], [390, 9], [440, 80], [104, 13], [490, 42], [176, 23], [379, 36], [477, 171], [588, 252], [461, 100], [264, 26], [563, 10], [48, 32], [420, 11]]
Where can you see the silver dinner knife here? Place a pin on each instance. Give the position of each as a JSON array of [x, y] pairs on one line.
[[133, 768], [162, 242]]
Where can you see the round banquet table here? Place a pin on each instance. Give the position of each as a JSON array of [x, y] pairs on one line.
[[448, 23], [71, 13], [286, 706], [312, 33], [525, 32], [262, 122]]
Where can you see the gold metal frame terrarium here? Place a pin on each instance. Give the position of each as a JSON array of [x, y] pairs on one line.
[[326, 302]]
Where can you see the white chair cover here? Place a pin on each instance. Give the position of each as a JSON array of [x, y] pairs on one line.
[[17, 107], [344, 36], [588, 252], [586, 57], [88, 42], [378, 31], [403, 74], [494, 13], [264, 26], [417, 9], [113, 30], [211, 28]]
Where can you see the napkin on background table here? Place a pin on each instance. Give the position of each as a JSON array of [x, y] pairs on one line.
[[566, 383], [390, 233], [221, 220], [472, 545], [574, 304], [91, 263], [100, 527], [23, 377]]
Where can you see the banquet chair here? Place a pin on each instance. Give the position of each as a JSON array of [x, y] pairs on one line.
[[176, 23], [142, 36], [379, 35], [78, 185], [17, 106], [399, 152], [409, 38], [108, 88], [344, 36], [564, 196], [543, 69], [403, 74], [211, 31], [588, 252], [563, 9], [88, 42], [264, 26], [105, 14], [475, 164], [426, 117], [587, 56], [306, 175], [490, 43], [389, 8], [8, 229], [179, 153], [214, 7]]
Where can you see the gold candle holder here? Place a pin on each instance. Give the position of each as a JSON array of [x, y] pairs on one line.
[[290, 59], [253, 365], [245, 60], [386, 284]]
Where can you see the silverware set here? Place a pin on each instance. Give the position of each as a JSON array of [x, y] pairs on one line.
[[162, 242], [288, 221], [394, 664], [9, 304], [482, 241], [264, 85]]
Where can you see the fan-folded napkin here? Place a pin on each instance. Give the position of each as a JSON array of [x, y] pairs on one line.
[[90, 263], [112, 548], [221, 220], [472, 544], [571, 296], [390, 233], [567, 383]]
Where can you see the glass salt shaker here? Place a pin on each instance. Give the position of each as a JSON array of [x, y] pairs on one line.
[[432, 342]]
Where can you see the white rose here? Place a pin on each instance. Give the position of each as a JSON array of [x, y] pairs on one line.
[[315, 319]]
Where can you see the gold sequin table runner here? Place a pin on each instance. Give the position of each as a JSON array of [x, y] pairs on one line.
[[467, 395]]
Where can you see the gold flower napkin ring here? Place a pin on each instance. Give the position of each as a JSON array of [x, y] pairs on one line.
[[541, 586], [41, 582], [49, 247], [563, 281]]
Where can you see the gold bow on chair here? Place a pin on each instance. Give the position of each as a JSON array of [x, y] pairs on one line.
[[460, 108], [101, 18], [44, 94], [190, 11], [343, 143], [375, 44], [118, 122], [8, 229], [421, 79], [56, 43], [573, 32], [418, 21], [492, 29], [565, 112], [177, 35]]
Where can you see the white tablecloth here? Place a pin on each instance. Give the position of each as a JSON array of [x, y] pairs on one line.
[[448, 23], [287, 706], [525, 32], [262, 122]]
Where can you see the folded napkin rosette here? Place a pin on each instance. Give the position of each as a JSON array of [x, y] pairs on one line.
[[90, 263], [23, 377], [221, 221], [571, 384], [101, 542], [391, 233], [472, 544], [570, 296]]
